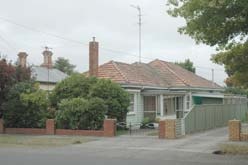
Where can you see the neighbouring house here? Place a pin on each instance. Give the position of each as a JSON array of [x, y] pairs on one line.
[[158, 89], [45, 74]]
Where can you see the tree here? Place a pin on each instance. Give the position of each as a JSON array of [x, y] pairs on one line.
[[64, 65], [7, 79], [236, 90], [9, 75], [220, 23], [187, 64], [78, 86], [26, 106], [74, 86], [116, 99]]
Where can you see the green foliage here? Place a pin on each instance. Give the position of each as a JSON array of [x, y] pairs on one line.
[[213, 22], [221, 23], [235, 90], [77, 85], [9, 75], [187, 64], [64, 65], [236, 65], [116, 99], [146, 120], [7, 79], [74, 86], [26, 106], [79, 113]]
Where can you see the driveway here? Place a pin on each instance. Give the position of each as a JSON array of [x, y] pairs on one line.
[[204, 142], [194, 149]]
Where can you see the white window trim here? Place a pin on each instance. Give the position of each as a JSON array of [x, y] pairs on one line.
[[135, 102], [185, 102]]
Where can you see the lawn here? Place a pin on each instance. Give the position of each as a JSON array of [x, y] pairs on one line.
[[234, 148], [41, 141]]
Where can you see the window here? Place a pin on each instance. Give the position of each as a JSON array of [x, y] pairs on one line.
[[179, 103], [131, 106], [188, 102]]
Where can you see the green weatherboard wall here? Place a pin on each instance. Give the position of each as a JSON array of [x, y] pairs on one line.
[[197, 100]]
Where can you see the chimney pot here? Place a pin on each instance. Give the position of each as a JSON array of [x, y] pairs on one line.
[[22, 59], [93, 58], [47, 58]]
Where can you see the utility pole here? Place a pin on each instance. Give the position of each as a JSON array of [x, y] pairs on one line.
[[139, 23], [212, 76]]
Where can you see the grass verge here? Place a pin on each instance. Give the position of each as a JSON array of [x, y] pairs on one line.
[[122, 132], [234, 148], [41, 141]]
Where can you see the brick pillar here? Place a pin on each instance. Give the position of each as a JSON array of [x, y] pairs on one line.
[[161, 134], [170, 128], [109, 127], [50, 127], [1, 126], [234, 130]]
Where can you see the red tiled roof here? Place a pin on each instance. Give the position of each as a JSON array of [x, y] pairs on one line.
[[157, 73]]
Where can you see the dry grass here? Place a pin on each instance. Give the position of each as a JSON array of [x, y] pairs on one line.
[[41, 141], [235, 148]]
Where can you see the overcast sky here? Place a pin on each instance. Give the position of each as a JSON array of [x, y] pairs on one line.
[[112, 22]]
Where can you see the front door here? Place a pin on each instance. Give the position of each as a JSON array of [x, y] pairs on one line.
[[169, 106], [150, 107]]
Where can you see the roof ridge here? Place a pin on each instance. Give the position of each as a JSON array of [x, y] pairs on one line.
[[200, 77], [183, 80], [118, 69]]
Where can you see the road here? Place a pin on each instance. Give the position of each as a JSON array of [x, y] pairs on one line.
[[191, 150]]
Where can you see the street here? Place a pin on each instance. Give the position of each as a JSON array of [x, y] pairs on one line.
[[193, 149]]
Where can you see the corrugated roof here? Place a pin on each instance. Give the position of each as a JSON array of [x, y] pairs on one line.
[[43, 74]]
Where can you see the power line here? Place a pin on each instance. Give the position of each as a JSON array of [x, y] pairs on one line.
[[40, 31], [81, 43], [7, 43]]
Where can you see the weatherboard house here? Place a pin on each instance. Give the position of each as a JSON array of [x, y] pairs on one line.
[[45, 74], [158, 89]]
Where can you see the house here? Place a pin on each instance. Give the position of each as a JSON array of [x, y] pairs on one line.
[[158, 89], [45, 74]]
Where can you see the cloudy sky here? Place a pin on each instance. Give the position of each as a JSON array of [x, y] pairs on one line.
[[68, 25]]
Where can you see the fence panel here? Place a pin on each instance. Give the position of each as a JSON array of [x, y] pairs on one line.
[[203, 117]]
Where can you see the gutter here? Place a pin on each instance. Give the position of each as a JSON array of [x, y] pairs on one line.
[[142, 87]]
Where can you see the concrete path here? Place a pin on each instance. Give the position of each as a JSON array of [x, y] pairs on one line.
[[193, 150], [204, 142]]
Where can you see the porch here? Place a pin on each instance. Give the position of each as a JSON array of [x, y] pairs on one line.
[[166, 105]]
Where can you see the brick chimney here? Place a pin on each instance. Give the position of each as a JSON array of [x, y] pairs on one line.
[[22, 61], [93, 58], [47, 58]]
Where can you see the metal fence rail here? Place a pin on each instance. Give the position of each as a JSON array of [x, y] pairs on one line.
[[204, 117], [244, 128], [139, 129]]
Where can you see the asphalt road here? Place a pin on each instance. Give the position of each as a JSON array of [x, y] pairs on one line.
[[192, 150]]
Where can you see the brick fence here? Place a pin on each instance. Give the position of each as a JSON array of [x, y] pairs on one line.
[[109, 129], [235, 133], [167, 129]]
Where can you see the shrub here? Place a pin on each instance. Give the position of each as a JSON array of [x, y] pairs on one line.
[[79, 113], [74, 86], [26, 106], [116, 98]]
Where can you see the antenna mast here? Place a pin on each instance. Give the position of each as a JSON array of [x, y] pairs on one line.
[[139, 23]]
